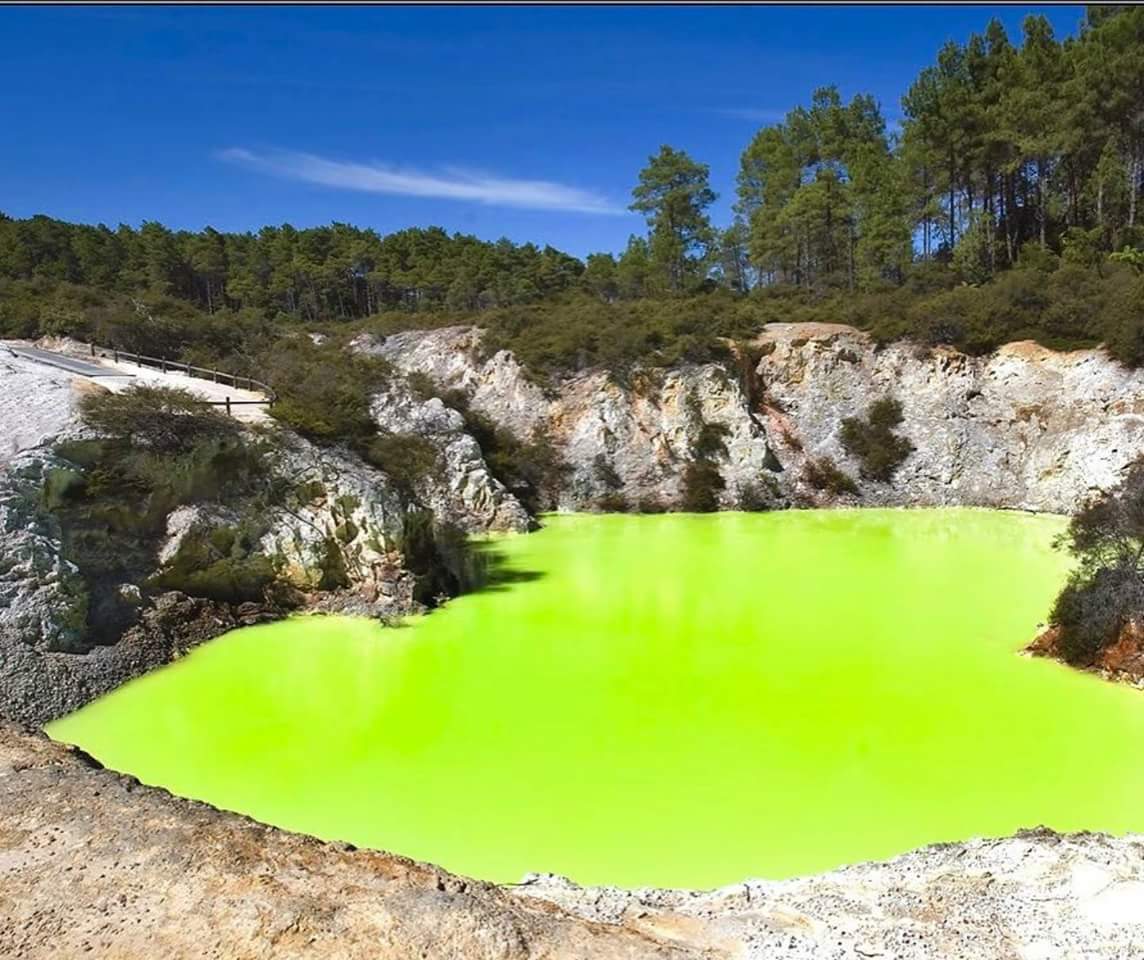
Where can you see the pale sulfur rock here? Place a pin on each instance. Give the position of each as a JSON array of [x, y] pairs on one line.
[[643, 430], [43, 601], [1024, 427], [346, 503], [191, 518], [95, 863], [1035, 895], [453, 357], [461, 489], [37, 403]]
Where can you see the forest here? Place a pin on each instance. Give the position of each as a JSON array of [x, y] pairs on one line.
[[1003, 206]]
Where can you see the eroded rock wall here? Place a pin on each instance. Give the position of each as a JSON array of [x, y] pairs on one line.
[[334, 532], [1024, 427], [640, 432], [460, 489]]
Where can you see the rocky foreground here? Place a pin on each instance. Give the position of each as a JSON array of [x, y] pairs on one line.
[[94, 864]]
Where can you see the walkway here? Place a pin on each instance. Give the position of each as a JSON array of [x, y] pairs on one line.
[[76, 359]]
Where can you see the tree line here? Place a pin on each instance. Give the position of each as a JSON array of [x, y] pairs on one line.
[[1000, 146], [1005, 204], [335, 272]]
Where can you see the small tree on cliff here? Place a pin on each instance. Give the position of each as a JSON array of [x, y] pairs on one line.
[[1106, 589]]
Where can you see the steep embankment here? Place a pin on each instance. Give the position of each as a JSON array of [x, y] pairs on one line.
[[336, 511], [95, 864], [1024, 427]]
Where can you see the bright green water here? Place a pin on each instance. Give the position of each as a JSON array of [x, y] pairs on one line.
[[676, 700]]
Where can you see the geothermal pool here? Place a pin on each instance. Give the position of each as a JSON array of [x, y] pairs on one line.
[[671, 700]]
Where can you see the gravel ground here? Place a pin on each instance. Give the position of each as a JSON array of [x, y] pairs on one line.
[[38, 401]]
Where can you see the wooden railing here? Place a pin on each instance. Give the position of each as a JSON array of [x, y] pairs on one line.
[[201, 373]]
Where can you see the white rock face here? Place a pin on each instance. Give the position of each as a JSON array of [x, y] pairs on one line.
[[461, 489], [1024, 427], [644, 430], [452, 356], [1035, 895], [351, 505], [184, 520], [43, 602], [36, 403]]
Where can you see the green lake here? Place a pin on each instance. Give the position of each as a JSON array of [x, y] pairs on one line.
[[667, 700]]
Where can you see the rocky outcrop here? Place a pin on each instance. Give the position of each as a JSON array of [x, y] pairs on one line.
[[460, 488], [43, 601], [1024, 427], [38, 685], [333, 533], [1035, 895], [95, 864], [629, 438], [337, 503], [1121, 661], [338, 520]]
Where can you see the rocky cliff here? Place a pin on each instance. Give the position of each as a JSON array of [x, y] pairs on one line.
[[336, 503], [1024, 427]]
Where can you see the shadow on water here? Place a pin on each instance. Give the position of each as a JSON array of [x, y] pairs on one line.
[[490, 569]]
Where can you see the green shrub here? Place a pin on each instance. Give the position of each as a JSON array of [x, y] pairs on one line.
[[324, 392], [758, 496], [702, 484], [1091, 609], [872, 440], [612, 503], [823, 474], [166, 419], [1106, 589], [405, 457]]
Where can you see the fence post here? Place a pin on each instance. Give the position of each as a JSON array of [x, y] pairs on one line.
[[115, 354], [228, 413], [92, 345]]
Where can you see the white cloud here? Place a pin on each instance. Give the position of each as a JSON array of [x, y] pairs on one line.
[[753, 114], [450, 184]]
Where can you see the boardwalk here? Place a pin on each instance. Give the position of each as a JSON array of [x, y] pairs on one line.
[[75, 360]]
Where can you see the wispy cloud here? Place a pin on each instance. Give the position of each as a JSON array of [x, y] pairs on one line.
[[451, 183], [754, 114]]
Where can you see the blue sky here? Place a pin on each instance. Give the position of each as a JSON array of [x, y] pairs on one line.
[[530, 123]]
